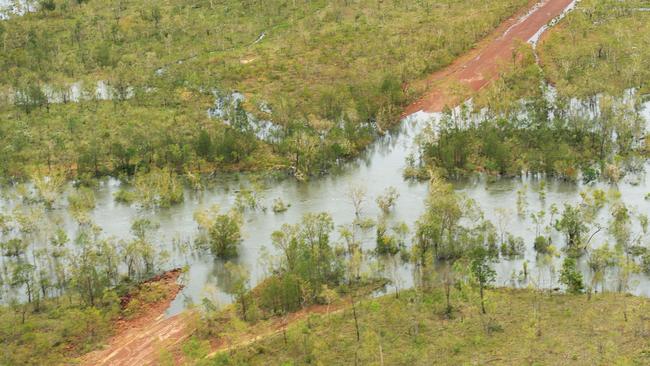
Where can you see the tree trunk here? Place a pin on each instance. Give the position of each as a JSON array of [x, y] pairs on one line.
[[356, 321], [482, 300]]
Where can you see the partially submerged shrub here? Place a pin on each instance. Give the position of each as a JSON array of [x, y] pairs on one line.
[[279, 206], [156, 188], [387, 200], [542, 245], [221, 233]]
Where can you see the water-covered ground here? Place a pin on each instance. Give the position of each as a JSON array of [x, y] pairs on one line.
[[380, 167]]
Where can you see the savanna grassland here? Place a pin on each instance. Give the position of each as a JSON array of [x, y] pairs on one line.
[[521, 327], [329, 74], [602, 47]]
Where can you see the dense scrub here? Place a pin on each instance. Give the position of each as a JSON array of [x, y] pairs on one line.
[[328, 74]]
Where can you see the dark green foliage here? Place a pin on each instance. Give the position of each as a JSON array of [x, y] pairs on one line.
[[280, 294], [571, 277], [308, 262], [572, 224], [225, 236], [524, 139], [542, 244], [513, 247], [387, 243]]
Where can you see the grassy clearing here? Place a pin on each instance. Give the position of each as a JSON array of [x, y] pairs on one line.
[[522, 327]]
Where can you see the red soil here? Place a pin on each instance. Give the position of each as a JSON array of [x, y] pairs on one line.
[[138, 341], [483, 64]]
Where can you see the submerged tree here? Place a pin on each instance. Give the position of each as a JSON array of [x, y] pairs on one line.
[[221, 233], [308, 261], [437, 229], [387, 200], [572, 225]]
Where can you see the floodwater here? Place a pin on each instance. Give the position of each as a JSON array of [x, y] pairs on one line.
[[378, 168], [15, 7]]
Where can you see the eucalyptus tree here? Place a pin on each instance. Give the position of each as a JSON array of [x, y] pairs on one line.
[[307, 257], [93, 264], [220, 232], [437, 229], [571, 277], [482, 272]]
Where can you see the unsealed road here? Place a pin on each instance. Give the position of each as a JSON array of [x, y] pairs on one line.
[[482, 65]]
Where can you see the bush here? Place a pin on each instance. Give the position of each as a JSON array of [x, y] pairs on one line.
[[542, 244], [220, 233], [279, 206], [225, 235], [571, 277]]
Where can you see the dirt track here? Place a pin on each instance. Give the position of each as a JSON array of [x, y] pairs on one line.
[[139, 341], [482, 65]]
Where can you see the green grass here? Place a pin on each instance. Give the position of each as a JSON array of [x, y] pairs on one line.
[[570, 329]]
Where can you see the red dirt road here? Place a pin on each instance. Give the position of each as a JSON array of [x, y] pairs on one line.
[[482, 65], [140, 341]]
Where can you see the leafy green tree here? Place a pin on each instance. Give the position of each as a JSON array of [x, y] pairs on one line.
[[221, 232], [307, 259], [600, 260], [571, 277], [94, 266], [139, 254], [572, 225], [238, 283], [482, 272], [437, 229]]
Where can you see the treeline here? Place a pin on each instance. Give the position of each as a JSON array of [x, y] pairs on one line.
[[322, 70], [601, 137], [61, 295]]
